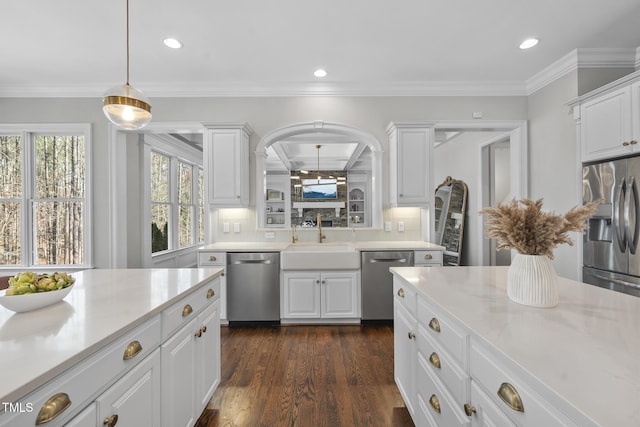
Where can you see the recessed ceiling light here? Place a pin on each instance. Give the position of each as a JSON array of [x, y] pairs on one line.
[[528, 43], [320, 72], [172, 43]]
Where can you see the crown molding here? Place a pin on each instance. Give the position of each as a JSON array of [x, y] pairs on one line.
[[583, 58], [260, 89]]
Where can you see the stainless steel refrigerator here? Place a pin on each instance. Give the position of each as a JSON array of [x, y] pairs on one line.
[[611, 257]]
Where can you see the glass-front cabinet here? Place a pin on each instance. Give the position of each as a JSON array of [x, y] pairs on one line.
[[277, 202], [358, 203]]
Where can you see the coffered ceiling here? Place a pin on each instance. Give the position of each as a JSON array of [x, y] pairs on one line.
[[256, 48]]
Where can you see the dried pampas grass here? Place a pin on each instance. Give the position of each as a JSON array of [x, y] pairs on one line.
[[523, 226]]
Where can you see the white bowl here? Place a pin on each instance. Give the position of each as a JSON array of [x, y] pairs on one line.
[[28, 302]]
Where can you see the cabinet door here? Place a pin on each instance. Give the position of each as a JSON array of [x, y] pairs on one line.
[[135, 398], [340, 295], [226, 153], [301, 295], [411, 148], [178, 373], [404, 354], [605, 127], [207, 374]]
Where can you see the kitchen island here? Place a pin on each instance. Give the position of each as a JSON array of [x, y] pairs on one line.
[[112, 324], [466, 354]]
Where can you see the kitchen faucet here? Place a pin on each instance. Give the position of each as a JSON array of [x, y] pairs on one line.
[[319, 221], [294, 238]]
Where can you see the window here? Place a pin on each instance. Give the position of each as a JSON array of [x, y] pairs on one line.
[[44, 201], [177, 207]]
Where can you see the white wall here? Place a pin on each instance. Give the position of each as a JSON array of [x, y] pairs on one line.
[[554, 161]]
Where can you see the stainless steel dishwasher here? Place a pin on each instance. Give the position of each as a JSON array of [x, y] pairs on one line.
[[377, 282], [253, 287]]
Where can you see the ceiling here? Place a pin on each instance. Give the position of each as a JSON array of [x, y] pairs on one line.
[[254, 48]]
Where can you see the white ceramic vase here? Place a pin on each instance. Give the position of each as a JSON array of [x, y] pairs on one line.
[[532, 281]]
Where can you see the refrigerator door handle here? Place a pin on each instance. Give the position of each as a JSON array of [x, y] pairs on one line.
[[618, 202], [632, 239]]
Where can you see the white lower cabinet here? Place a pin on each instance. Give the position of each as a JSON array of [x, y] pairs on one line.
[[448, 376], [134, 400], [320, 295], [217, 259], [190, 368], [161, 373]]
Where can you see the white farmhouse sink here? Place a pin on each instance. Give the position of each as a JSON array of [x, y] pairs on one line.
[[320, 256]]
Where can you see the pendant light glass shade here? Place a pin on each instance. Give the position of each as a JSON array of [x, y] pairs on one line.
[[124, 105], [127, 107]]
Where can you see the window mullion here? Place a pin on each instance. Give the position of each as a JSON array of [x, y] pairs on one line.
[[174, 215], [28, 194]]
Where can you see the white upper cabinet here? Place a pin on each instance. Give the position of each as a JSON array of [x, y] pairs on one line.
[[410, 168], [608, 120], [226, 160]]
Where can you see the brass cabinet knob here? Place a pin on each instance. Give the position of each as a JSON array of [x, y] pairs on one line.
[[511, 397], [187, 310], [411, 335], [237, 196], [133, 349], [212, 258], [210, 293], [434, 359], [111, 421], [625, 144], [53, 407], [199, 333], [203, 329], [401, 293], [435, 403], [428, 256], [633, 142], [469, 410], [434, 325]]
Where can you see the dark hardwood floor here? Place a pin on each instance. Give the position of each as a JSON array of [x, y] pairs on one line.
[[306, 376]]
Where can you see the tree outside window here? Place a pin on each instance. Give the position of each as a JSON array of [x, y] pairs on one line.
[[43, 199]]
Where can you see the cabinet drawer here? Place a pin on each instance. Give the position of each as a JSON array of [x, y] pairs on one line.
[[405, 295], [427, 257], [75, 388], [442, 365], [180, 313], [486, 410], [212, 258], [534, 411], [443, 331], [442, 407]]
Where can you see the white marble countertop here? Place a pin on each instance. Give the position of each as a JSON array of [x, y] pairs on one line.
[[586, 351], [104, 304], [360, 245]]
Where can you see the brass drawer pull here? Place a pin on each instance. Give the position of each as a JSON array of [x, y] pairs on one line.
[[212, 258], [111, 421], [510, 396], [187, 310], [401, 293], [53, 407], [133, 349], [411, 335], [434, 325], [633, 142], [434, 359], [469, 410], [435, 403], [210, 293], [428, 256]]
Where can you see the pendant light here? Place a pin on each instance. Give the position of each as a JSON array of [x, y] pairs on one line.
[[319, 176], [124, 105]]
